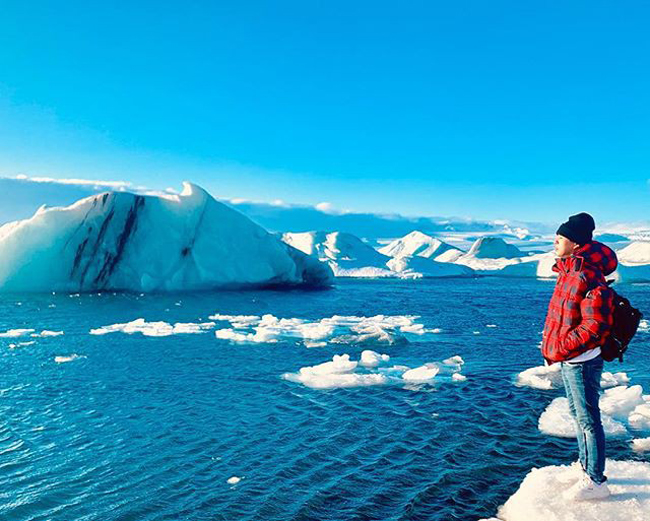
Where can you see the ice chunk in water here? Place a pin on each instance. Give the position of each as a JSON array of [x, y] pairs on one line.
[[423, 373], [70, 358], [14, 333], [372, 358], [556, 420], [641, 444], [620, 401], [539, 497]]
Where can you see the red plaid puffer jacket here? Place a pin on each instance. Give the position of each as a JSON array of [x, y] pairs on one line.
[[581, 310]]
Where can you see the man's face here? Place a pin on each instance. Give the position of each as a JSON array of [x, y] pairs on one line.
[[564, 247]]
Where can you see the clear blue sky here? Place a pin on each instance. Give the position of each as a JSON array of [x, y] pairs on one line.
[[499, 109]]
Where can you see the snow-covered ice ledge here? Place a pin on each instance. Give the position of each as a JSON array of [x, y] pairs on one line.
[[539, 497], [125, 241]]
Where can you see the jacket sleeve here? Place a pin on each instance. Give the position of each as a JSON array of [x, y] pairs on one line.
[[597, 314]]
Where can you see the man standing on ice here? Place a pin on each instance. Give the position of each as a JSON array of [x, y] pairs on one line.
[[579, 319]]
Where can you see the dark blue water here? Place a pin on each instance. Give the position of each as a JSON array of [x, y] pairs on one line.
[[151, 428]]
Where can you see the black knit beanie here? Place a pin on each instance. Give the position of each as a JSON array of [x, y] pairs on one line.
[[578, 228]]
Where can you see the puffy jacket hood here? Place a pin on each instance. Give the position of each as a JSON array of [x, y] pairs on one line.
[[594, 254]]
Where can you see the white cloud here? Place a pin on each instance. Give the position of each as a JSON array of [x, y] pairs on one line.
[[324, 207], [115, 185]]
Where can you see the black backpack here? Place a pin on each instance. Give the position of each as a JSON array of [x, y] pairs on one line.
[[626, 322]]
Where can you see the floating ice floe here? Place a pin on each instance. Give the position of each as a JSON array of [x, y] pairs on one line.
[[550, 377], [424, 373], [380, 329], [539, 497], [337, 373], [15, 333], [140, 325], [621, 407], [21, 344], [46, 333], [342, 372], [69, 358], [233, 480]]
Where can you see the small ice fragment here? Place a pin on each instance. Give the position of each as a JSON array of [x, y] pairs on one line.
[[454, 360], [641, 444], [639, 418], [309, 343], [620, 401], [14, 333], [458, 377], [64, 359], [417, 329], [423, 373], [21, 344], [556, 420], [372, 359], [613, 379], [541, 377], [476, 332], [46, 333], [233, 480]]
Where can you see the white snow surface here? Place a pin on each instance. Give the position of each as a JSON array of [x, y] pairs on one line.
[[125, 241], [493, 248], [338, 329], [539, 497], [637, 252]]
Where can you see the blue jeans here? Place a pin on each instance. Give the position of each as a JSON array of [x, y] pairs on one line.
[[582, 386]]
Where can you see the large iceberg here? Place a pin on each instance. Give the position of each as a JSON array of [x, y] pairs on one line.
[[346, 254], [125, 241]]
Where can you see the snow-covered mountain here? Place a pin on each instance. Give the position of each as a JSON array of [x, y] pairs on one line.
[[125, 241], [349, 256]]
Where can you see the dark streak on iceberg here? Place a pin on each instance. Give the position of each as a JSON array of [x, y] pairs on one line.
[[111, 261]]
